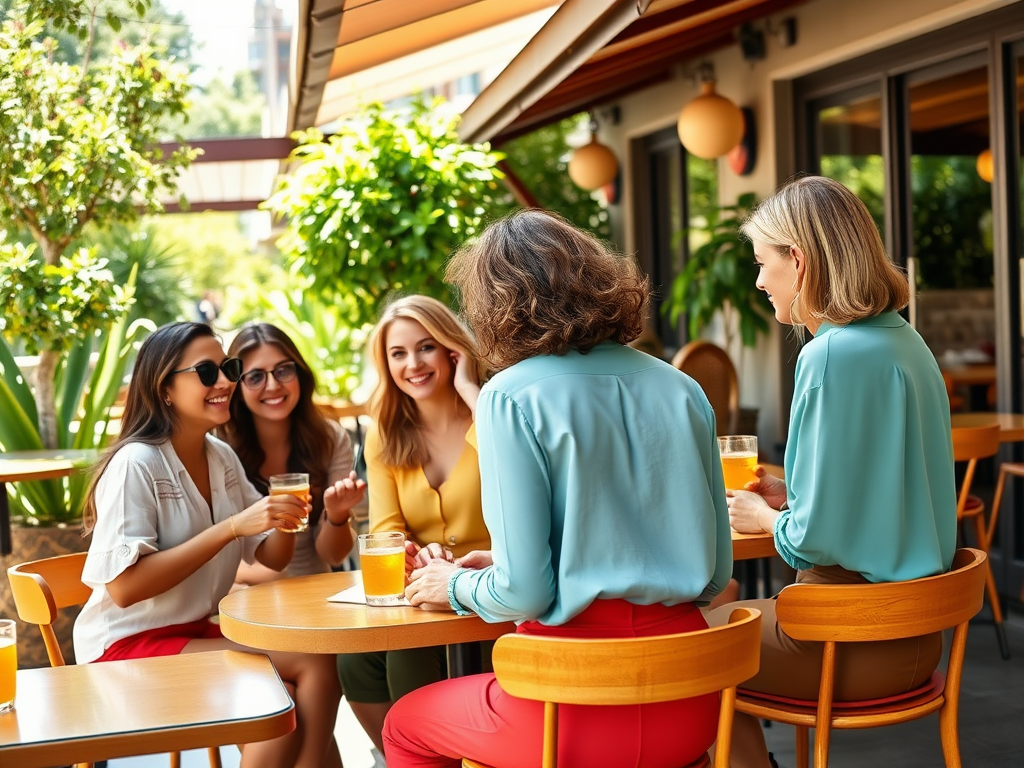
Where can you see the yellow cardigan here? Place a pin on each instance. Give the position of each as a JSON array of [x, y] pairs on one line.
[[401, 499]]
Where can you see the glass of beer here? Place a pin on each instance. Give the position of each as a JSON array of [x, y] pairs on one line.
[[294, 484], [739, 457], [382, 560], [8, 664]]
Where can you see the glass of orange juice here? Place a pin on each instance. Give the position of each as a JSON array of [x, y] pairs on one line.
[[8, 664], [294, 484], [382, 560], [739, 458]]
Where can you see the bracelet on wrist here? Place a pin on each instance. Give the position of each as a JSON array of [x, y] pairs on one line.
[[234, 533], [342, 524], [454, 601]]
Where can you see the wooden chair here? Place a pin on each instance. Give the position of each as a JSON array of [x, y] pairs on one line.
[[43, 587], [709, 365], [969, 445], [631, 671], [841, 613], [956, 402]]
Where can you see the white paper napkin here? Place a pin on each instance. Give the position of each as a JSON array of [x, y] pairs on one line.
[[355, 595]]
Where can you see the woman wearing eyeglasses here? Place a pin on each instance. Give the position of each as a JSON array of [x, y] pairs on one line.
[[171, 515], [276, 428]]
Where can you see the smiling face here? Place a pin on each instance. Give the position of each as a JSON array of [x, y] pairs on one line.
[[778, 276], [273, 401], [419, 366], [195, 404]]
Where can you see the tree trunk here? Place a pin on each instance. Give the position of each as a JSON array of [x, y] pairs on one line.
[[51, 251], [46, 403]]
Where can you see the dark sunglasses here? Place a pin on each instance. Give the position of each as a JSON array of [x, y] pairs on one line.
[[257, 377], [208, 371]]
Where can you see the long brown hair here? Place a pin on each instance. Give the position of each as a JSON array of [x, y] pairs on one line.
[[394, 412], [147, 418], [311, 440], [534, 284]]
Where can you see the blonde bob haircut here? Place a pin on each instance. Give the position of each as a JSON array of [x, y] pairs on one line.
[[394, 412], [847, 274], [534, 284]]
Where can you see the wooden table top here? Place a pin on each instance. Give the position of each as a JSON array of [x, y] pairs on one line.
[[94, 712], [294, 615], [1011, 425], [42, 465], [972, 375]]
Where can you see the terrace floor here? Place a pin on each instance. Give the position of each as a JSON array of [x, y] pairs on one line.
[[991, 722]]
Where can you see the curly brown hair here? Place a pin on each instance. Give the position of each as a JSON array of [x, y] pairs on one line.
[[534, 284]]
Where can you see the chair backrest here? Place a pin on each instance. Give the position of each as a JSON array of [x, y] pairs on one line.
[[854, 612], [971, 444], [631, 670], [709, 365], [42, 587]]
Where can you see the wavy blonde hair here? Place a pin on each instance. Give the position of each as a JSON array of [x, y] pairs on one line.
[[394, 412], [847, 274]]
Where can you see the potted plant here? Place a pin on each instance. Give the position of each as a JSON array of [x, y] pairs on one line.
[[720, 276]]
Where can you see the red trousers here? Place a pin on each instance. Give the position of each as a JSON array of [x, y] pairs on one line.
[[436, 726]]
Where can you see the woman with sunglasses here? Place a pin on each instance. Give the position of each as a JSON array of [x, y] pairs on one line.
[[171, 515], [276, 428], [423, 473]]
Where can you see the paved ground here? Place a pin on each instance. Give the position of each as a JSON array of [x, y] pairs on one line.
[[991, 722]]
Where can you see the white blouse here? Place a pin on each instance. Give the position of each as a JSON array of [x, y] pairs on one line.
[[147, 502]]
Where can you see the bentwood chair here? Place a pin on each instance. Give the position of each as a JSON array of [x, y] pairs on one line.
[[709, 365], [639, 670], [43, 587], [844, 613], [970, 444]]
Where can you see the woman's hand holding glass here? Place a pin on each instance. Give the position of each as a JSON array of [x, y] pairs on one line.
[[772, 489], [281, 511]]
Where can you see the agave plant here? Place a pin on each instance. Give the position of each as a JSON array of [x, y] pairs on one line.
[[84, 401]]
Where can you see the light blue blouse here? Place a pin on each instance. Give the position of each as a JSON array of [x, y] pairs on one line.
[[601, 479], [870, 458]]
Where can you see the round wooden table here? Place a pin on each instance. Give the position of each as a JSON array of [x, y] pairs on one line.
[[750, 546], [1011, 425], [294, 615]]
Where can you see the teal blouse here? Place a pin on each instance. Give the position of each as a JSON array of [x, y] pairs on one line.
[[601, 478], [869, 462]]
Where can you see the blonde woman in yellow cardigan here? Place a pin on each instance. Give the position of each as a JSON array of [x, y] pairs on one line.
[[423, 476]]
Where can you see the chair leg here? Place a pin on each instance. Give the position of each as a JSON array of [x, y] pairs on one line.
[[175, 759], [993, 595], [949, 736], [802, 749], [997, 499], [214, 756]]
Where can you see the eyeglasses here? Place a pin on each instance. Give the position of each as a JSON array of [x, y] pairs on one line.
[[257, 377], [209, 371]]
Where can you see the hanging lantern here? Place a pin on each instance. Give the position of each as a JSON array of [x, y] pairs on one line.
[[984, 165], [593, 165], [710, 125]]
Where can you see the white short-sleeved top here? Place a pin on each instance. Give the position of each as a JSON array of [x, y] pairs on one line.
[[146, 502]]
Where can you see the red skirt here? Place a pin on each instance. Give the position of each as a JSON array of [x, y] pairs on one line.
[[163, 641], [436, 726]]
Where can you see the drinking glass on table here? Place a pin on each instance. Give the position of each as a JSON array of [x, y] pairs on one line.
[[739, 458], [382, 560], [294, 484], [8, 664]]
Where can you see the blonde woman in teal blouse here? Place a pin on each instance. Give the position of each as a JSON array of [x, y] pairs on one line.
[[869, 462]]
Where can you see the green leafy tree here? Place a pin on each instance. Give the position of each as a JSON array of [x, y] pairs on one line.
[[225, 109], [541, 161], [381, 205], [80, 147]]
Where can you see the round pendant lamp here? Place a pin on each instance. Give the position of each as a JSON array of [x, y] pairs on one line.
[[710, 125], [593, 165], [984, 165]]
